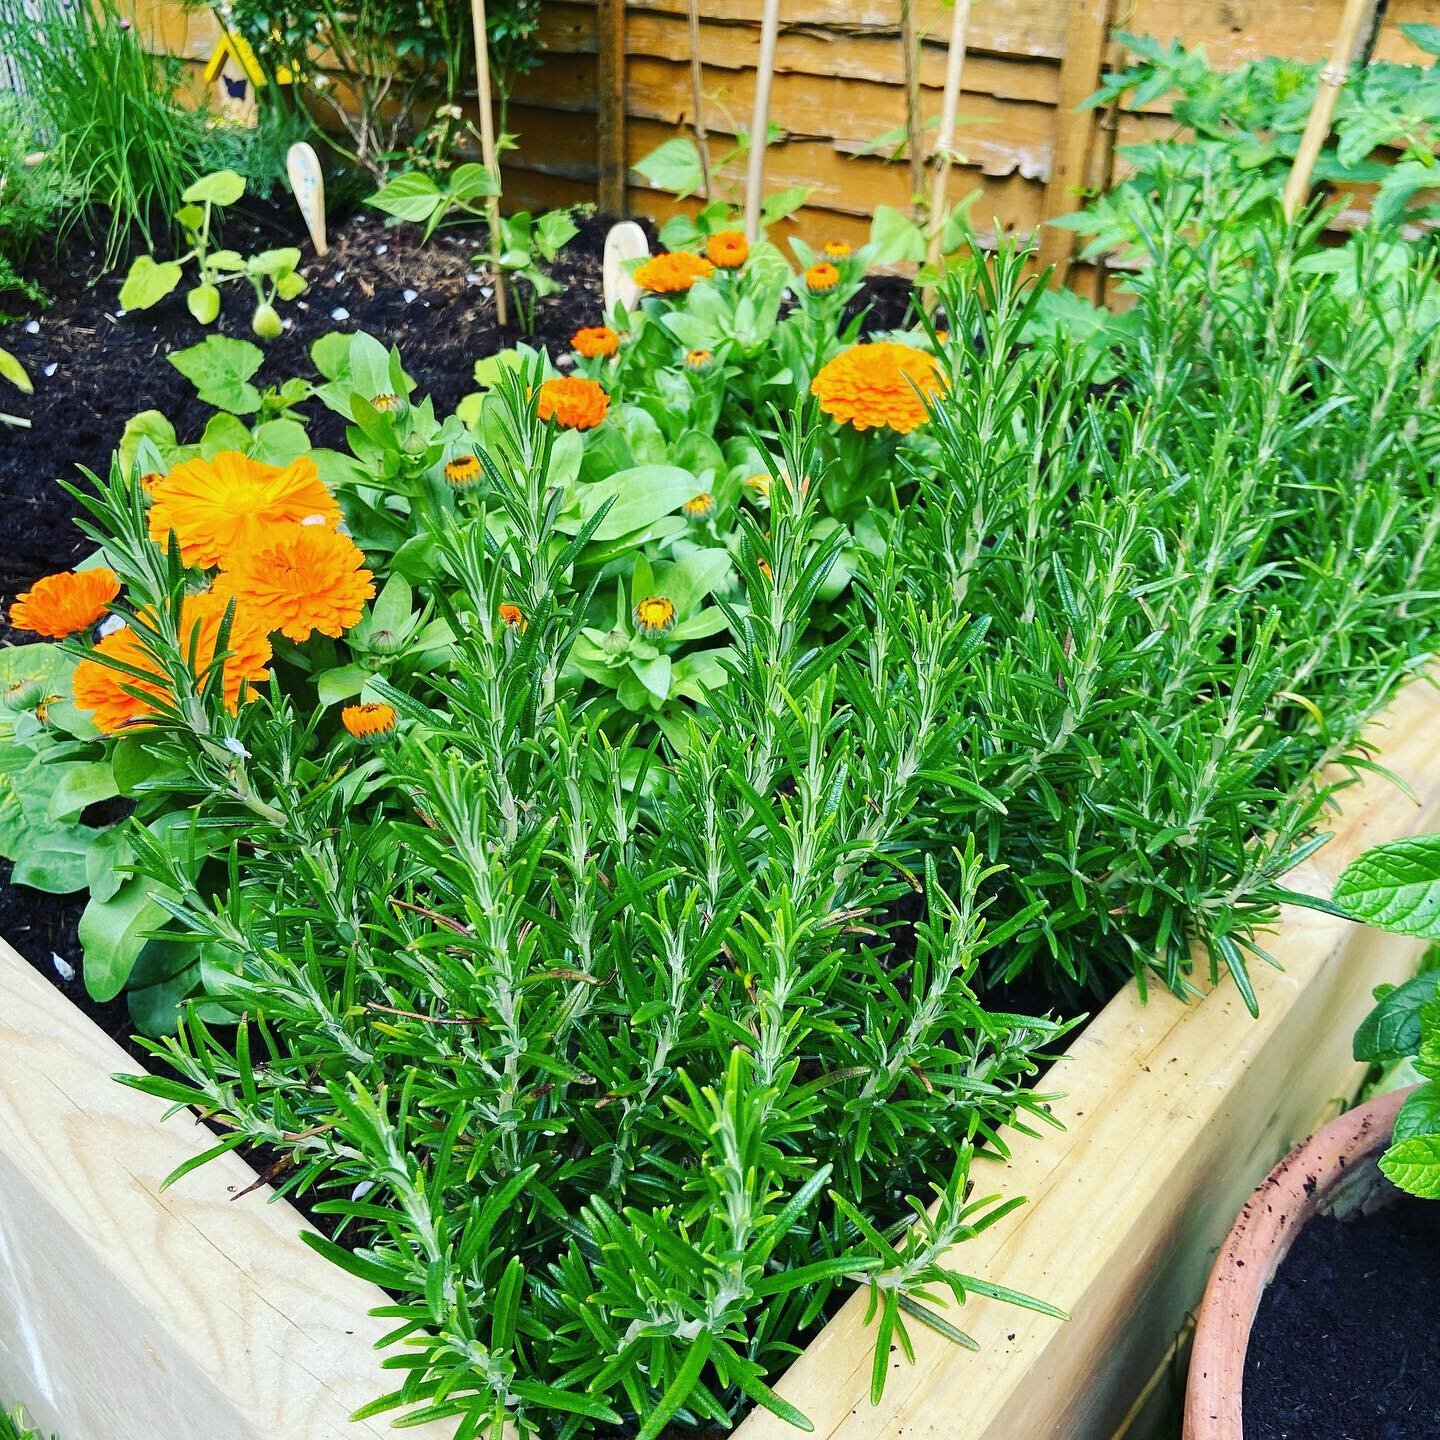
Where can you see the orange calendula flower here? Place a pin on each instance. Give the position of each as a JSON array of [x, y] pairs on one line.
[[65, 604], [107, 693], [878, 386], [700, 507], [595, 342], [149, 480], [699, 359], [672, 271], [213, 505], [513, 616], [386, 403], [573, 402], [822, 277], [371, 721], [729, 249], [759, 486], [838, 250], [463, 470], [299, 579], [655, 616]]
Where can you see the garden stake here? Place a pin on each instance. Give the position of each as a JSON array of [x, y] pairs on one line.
[[307, 182], [1354, 35], [914, 138], [945, 142], [487, 148], [760, 120], [697, 86]]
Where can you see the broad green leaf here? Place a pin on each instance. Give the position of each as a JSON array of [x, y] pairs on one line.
[[1414, 1165], [223, 187], [1391, 1031], [82, 783], [149, 283], [55, 861], [673, 166], [641, 494], [148, 425], [1420, 1114], [894, 237], [220, 369], [224, 431], [278, 442], [13, 371], [471, 181], [1396, 886], [1427, 37], [114, 931], [410, 196]]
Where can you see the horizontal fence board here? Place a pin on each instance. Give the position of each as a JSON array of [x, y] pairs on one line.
[[568, 28]]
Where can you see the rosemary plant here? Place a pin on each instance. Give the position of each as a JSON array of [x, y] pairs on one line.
[[612, 1064], [615, 1055]]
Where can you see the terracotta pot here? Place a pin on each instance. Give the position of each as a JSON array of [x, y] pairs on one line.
[[1334, 1171]]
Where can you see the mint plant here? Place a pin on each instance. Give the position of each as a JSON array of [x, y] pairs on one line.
[[1397, 887]]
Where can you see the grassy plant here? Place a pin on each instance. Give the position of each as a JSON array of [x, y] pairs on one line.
[[32, 192], [14, 1426], [106, 112]]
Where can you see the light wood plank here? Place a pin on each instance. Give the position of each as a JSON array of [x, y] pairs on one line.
[[131, 1314], [1173, 1114]]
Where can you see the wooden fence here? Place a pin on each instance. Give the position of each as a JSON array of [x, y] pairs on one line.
[[615, 82]]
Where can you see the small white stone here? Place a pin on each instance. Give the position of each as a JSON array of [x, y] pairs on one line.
[[487, 291], [339, 313], [50, 369], [409, 296], [473, 279], [339, 276], [110, 624], [32, 327], [63, 968], [381, 249]]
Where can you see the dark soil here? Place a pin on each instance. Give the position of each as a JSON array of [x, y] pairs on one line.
[[1345, 1345]]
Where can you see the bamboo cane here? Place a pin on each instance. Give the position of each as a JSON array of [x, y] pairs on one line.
[[760, 120], [697, 88], [914, 139], [487, 152], [1353, 36], [945, 141]]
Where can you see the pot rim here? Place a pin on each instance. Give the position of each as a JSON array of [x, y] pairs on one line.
[[1311, 1176]]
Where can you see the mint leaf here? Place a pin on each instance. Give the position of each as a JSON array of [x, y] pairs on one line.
[[1396, 886]]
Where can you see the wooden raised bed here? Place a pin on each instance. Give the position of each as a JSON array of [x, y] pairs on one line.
[[126, 1314]]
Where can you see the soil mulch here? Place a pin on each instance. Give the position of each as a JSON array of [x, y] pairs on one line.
[[1345, 1344]]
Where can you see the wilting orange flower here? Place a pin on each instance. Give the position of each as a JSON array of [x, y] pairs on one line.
[[298, 579], [837, 250], [672, 271], [822, 277], [105, 692], [513, 616], [573, 402], [729, 249], [373, 720], [763, 565], [654, 616], [65, 604], [700, 507], [595, 341], [387, 403], [463, 470], [759, 486], [878, 386], [213, 505]]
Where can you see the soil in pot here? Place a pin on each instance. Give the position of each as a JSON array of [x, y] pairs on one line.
[[1345, 1344]]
